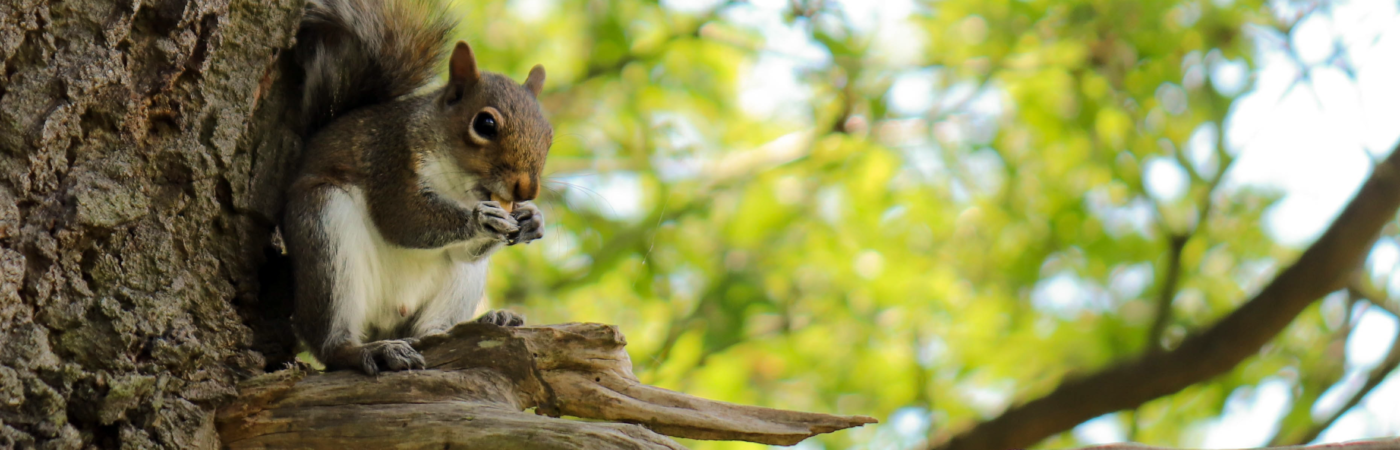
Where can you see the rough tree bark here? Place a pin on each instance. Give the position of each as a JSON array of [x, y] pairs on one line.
[[136, 201]]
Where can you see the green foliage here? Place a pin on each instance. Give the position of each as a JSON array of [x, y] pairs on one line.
[[845, 255]]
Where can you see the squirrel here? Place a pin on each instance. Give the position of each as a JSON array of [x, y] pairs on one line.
[[403, 192]]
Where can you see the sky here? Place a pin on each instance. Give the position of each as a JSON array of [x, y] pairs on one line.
[[1306, 127]]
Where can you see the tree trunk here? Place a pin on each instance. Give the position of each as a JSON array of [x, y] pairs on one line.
[[143, 149]]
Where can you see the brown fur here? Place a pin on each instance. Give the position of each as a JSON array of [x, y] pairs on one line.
[[363, 61]]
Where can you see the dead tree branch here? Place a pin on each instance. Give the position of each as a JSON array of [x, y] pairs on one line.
[[480, 382]]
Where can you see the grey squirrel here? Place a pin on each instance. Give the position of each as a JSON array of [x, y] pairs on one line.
[[403, 195]]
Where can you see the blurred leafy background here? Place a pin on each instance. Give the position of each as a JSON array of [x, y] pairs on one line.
[[926, 211]]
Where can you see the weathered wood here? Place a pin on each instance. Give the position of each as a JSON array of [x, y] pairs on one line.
[[481, 381]]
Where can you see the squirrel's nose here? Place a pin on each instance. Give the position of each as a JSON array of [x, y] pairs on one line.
[[524, 187]]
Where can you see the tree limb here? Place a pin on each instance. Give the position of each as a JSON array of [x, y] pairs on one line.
[[1176, 245], [1377, 375], [481, 379], [1374, 444], [1374, 379], [1313, 383], [1375, 297], [1324, 267]]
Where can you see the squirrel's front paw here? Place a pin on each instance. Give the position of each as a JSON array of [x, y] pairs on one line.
[[531, 223], [489, 218], [391, 355], [502, 318]]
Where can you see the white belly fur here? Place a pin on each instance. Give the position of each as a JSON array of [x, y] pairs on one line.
[[378, 286]]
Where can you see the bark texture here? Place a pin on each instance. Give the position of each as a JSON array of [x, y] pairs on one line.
[[136, 201], [480, 380]]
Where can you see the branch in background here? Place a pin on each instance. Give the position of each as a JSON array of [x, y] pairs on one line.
[[1377, 375], [1177, 242], [1176, 245], [1375, 297], [1377, 444], [1324, 267], [1313, 383]]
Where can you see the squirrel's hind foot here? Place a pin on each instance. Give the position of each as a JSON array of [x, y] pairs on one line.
[[501, 317], [387, 355]]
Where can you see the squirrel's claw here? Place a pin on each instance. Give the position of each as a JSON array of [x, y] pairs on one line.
[[502, 317], [391, 355], [531, 223], [494, 219]]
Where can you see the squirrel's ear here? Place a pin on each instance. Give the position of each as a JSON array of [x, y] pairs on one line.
[[463, 73], [535, 82]]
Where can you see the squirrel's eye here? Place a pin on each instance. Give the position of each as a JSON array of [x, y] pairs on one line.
[[485, 125]]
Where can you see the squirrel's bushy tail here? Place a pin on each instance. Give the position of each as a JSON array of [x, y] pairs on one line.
[[364, 52]]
